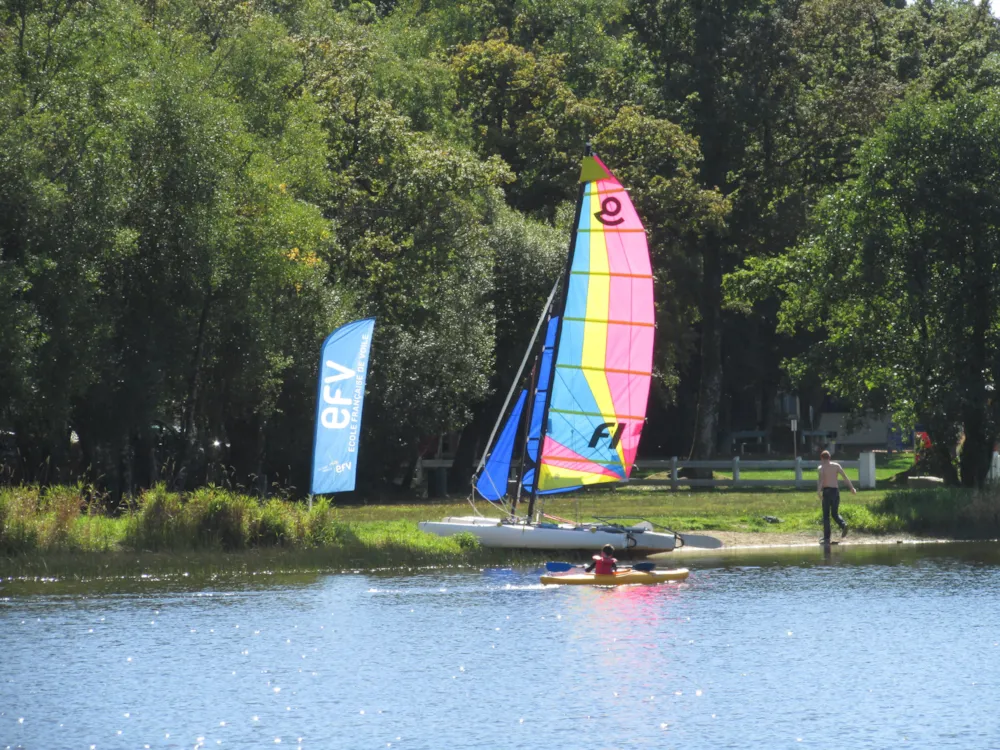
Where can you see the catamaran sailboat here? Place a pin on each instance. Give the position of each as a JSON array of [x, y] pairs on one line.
[[584, 410]]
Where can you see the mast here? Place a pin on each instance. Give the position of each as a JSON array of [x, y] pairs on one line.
[[526, 435], [513, 386], [555, 349]]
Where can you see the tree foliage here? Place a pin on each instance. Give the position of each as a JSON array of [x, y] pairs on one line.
[[193, 193], [900, 280]]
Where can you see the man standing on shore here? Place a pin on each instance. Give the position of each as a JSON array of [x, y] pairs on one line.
[[828, 488]]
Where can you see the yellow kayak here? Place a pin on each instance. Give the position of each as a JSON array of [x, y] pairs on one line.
[[620, 578]]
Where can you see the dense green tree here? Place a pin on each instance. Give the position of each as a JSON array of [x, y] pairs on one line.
[[780, 93], [194, 193], [524, 112], [151, 226], [900, 282]]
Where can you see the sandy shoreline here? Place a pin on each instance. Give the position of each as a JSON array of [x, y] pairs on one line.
[[744, 540]]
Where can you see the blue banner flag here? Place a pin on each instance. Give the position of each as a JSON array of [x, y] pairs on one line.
[[342, 372]]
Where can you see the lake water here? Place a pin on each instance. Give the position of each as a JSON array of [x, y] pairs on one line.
[[865, 647]]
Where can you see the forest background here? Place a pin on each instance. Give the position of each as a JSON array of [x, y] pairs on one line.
[[193, 193]]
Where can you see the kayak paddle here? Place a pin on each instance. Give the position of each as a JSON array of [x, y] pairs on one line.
[[562, 567]]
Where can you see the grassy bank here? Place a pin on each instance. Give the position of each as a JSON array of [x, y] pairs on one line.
[[167, 528], [58, 525]]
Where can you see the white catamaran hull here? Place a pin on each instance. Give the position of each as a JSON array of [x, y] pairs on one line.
[[492, 533]]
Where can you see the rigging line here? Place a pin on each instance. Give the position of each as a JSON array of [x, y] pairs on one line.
[[517, 379], [472, 501]]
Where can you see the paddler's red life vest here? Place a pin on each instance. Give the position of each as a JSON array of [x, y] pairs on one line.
[[604, 566]]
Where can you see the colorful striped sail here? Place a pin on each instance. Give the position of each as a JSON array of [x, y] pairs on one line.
[[604, 347]]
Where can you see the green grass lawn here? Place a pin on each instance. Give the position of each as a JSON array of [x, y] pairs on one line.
[[886, 467], [721, 509]]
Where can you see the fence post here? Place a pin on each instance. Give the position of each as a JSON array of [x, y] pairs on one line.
[[866, 471], [798, 472], [673, 473], [736, 469]]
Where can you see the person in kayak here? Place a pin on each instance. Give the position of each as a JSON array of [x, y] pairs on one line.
[[604, 564], [828, 488]]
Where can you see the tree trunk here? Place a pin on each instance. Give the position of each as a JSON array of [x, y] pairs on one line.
[[974, 463], [943, 438], [710, 387], [188, 431]]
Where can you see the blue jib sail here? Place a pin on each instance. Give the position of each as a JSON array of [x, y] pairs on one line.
[[492, 483], [538, 408], [342, 373]]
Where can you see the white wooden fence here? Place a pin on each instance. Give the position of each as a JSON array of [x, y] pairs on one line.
[[865, 466]]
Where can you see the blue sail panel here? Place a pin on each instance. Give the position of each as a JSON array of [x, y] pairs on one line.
[[538, 408], [541, 389], [492, 483], [342, 374]]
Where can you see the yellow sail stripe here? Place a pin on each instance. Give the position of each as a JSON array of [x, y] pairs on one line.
[[556, 477], [595, 333]]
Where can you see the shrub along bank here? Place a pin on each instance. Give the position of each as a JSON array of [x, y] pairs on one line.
[[57, 520]]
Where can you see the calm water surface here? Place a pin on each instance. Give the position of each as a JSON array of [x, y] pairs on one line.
[[896, 647]]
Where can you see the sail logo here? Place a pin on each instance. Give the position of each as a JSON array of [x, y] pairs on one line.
[[601, 431], [611, 207]]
